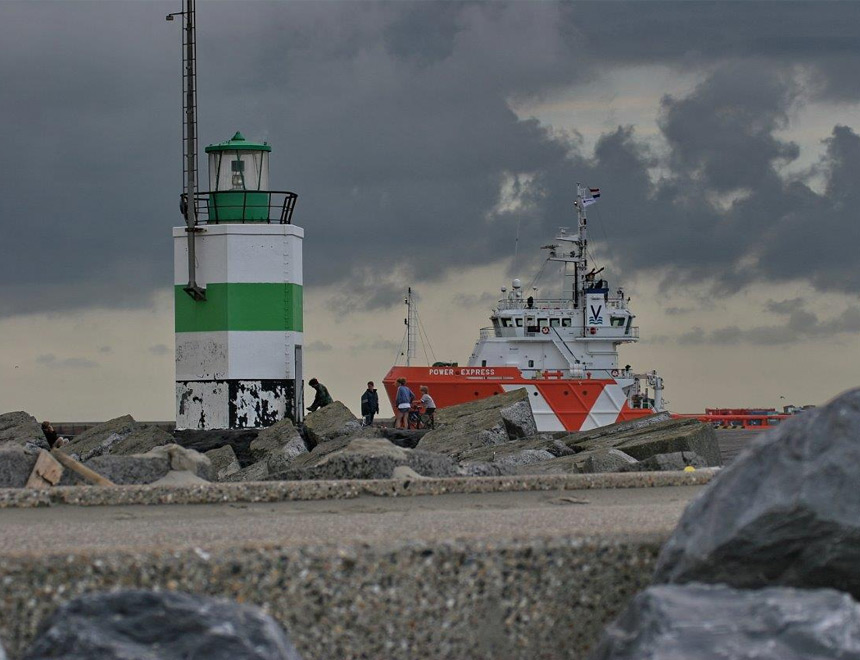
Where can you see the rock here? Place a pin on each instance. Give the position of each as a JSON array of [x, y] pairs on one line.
[[477, 424], [607, 460], [359, 458], [125, 470], [143, 625], [120, 436], [518, 419], [224, 462], [643, 440], [16, 464], [183, 459], [405, 472], [676, 461], [22, 429], [329, 423], [524, 457], [703, 622], [256, 472], [484, 469], [430, 464], [785, 512], [205, 440], [179, 478], [406, 438], [278, 445]]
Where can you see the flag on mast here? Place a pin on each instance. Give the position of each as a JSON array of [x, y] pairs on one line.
[[592, 197]]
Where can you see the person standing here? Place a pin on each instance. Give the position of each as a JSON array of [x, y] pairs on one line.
[[322, 398], [403, 401], [369, 403], [429, 405]]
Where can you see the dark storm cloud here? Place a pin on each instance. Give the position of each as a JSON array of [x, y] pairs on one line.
[[800, 325], [393, 123]]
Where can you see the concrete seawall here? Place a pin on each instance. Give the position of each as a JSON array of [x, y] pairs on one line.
[[493, 568]]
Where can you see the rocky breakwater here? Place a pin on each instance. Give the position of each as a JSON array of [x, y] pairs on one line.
[[121, 451], [764, 564]]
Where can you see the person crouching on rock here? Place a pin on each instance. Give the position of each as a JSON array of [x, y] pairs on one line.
[[51, 435], [403, 401], [322, 399], [369, 404]]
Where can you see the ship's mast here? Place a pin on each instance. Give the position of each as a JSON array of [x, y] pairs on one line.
[[411, 327], [571, 250]]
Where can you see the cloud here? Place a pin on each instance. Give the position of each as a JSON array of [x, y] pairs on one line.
[[393, 122], [319, 346], [50, 360]]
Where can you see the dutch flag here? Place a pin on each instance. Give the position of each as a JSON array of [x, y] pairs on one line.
[[592, 197]]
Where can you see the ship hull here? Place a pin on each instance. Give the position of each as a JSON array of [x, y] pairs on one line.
[[558, 404]]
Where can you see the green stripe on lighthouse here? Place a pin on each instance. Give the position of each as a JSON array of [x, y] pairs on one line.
[[240, 306]]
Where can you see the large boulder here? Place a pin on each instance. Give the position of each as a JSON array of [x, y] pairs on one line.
[[16, 464], [492, 421], [224, 462], [119, 436], [278, 445], [703, 622], [641, 441], [365, 458], [329, 423], [143, 625], [22, 429], [124, 470], [607, 460], [785, 512]]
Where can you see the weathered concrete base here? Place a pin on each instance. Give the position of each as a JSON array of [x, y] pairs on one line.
[[459, 599], [233, 404]]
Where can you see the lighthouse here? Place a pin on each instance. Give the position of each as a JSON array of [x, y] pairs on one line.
[[238, 329]]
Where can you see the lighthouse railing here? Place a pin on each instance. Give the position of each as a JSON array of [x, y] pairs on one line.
[[245, 206]]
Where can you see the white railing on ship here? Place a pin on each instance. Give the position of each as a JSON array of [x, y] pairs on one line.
[[555, 303], [486, 333]]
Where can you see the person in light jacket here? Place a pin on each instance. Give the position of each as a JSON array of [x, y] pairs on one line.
[[369, 404], [403, 402]]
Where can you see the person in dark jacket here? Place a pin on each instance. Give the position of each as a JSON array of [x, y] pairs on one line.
[[323, 398], [369, 404]]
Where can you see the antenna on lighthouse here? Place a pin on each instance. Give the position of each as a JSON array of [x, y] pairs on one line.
[[188, 204]]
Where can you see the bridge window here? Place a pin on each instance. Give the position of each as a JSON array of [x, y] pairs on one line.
[[519, 323], [565, 323], [554, 323], [506, 322]]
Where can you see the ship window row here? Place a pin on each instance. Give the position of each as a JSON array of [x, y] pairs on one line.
[[541, 323]]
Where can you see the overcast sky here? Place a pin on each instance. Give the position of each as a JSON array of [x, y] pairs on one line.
[[421, 137]]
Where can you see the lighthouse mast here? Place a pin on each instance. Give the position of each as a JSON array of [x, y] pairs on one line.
[[188, 204]]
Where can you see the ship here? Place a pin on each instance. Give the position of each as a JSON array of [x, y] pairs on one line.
[[563, 351]]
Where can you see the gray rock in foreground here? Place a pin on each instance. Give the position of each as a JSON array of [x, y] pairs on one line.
[[145, 625], [674, 462], [16, 464], [709, 622], [124, 470], [785, 512], [21, 428]]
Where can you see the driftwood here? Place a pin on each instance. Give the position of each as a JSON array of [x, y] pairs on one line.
[[46, 472], [81, 469]]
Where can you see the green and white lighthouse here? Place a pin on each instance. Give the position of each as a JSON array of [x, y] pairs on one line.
[[239, 328]]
